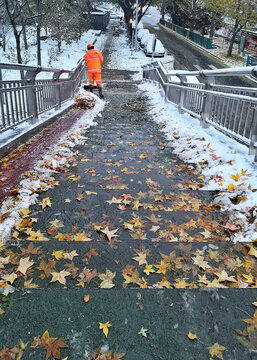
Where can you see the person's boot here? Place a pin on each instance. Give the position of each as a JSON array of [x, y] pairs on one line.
[[91, 88], [100, 92]]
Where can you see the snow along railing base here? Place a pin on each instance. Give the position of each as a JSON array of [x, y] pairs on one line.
[[232, 110], [26, 99]]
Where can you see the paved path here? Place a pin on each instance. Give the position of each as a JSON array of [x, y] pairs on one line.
[[130, 240]]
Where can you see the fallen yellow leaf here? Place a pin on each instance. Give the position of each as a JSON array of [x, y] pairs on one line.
[[86, 298], [192, 336], [105, 327]]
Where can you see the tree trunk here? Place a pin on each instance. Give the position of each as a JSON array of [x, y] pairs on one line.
[[39, 10], [234, 33], [25, 37], [213, 26], [59, 45], [4, 42]]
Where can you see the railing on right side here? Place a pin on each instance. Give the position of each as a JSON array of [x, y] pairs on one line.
[[232, 110]]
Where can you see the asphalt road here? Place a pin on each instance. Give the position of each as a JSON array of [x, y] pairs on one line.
[[190, 57]]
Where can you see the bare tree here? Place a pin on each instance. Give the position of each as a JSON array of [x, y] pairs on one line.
[[17, 12]]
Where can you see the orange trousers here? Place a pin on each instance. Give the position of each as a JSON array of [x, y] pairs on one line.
[[95, 76]]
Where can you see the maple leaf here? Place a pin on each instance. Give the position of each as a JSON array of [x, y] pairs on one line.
[[143, 332], [141, 258], [199, 261], [192, 336], [128, 226], [223, 276], [231, 187], [51, 345], [162, 268], [109, 233], [29, 285], [10, 278], [180, 284], [91, 252], [114, 200], [107, 279], [70, 255], [30, 250], [46, 202], [36, 236], [215, 350], [24, 265], [46, 267], [81, 237], [87, 276], [80, 197], [206, 234], [252, 251], [155, 228], [148, 269], [58, 254], [105, 327], [136, 205], [252, 321], [24, 212], [60, 276]]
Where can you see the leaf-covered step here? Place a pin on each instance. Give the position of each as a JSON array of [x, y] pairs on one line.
[[145, 324], [128, 264]]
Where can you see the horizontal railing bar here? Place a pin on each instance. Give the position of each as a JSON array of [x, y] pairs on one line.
[[36, 86], [250, 70], [8, 66], [204, 91]]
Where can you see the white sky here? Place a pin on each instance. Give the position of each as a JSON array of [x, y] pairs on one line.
[[220, 156]]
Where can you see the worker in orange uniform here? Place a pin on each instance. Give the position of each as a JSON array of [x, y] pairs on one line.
[[94, 59]]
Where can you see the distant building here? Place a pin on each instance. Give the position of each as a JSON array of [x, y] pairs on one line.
[[99, 18]]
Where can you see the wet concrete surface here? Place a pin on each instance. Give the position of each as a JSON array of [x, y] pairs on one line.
[[129, 226]]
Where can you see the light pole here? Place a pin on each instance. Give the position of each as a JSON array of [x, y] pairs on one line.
[[130, 28], [136, 25]]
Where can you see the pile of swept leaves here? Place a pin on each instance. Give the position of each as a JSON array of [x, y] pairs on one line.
[[84, 101]]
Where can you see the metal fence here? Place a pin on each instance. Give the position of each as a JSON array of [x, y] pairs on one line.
[[232, 110], [197, 38], [26, 99]]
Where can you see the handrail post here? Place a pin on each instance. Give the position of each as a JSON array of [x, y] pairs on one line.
[[207, 100], [57, 90], [253, 135], [31, 95], [183, 81]]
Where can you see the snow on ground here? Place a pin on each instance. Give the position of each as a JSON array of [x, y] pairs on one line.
[[223, 164], [125, 58], [45, 168], [67, 59]]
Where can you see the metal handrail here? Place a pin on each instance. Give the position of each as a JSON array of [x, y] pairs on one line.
[[232, 110], [8, 66], [25, 99]]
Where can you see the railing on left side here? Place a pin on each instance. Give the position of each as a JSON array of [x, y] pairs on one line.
[[232, 110], [25, 99]]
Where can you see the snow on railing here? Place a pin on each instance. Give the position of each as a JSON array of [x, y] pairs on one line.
[[25, 99], [230, 109]]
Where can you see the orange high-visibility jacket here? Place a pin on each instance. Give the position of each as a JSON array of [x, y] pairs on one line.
[[93, 59]]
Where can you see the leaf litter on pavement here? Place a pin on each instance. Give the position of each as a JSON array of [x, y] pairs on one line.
[[163, 212]]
